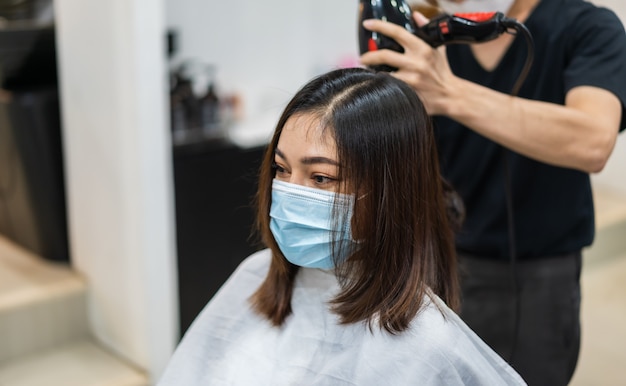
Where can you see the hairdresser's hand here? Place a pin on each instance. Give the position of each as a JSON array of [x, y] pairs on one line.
[[425, 69]]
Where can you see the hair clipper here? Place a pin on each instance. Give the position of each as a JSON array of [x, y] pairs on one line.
[[443, 29]]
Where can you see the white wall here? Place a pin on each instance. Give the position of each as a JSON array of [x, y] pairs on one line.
[[265, 50], [119, 172]]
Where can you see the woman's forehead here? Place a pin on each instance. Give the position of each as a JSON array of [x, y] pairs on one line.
[[309, 128]]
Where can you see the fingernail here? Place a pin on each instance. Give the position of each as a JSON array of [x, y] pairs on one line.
[[368, 23]]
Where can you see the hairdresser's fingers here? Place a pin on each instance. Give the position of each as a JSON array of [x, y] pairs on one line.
[[420, 19], [430, 77], [413, 63], [388, 57], [432, 68]]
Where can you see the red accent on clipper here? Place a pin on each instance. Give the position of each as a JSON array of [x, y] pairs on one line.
[[371, 45], [476, 16], [443, 27]]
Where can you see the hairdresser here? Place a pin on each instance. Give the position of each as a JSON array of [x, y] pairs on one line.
[[520, 267]]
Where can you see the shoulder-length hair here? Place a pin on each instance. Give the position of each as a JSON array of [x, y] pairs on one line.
[[388, 157]]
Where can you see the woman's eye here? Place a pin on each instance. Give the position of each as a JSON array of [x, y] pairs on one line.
[[279, 170], [323, 180]]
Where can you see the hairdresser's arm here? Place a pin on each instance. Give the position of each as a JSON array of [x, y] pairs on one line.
[[580, 135]]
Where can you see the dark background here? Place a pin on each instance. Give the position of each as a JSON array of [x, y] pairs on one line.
[[215, 183]]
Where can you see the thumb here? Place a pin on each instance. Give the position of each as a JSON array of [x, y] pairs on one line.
[[420, 19]]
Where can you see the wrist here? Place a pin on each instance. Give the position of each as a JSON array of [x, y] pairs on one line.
[[454, 102]]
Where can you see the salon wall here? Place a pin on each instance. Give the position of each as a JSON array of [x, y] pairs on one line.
[[265, 50]]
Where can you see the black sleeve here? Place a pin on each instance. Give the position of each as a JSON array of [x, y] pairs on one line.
[[597, 54]]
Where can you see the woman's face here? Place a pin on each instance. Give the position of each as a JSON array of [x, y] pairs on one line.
[[306, 154]]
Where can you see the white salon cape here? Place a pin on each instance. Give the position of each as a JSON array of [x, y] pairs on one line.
[[229, 344]]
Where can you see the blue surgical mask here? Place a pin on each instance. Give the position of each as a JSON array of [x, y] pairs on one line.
[[301, 220]]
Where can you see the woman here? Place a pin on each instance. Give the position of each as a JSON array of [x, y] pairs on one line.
[[360, 264]]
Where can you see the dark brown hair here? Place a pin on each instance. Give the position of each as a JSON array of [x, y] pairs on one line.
[[388, 157]]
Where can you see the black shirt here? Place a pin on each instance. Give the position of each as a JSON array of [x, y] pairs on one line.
[[576, 44]]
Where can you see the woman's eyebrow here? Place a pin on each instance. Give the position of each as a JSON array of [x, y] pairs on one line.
[[310, 160], [318, 160]]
